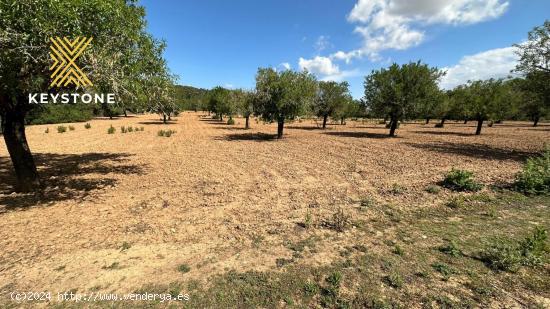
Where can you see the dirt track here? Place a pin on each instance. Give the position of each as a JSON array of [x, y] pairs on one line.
[[207, 195]]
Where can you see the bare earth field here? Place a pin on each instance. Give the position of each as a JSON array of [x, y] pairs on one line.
[[121, 212]]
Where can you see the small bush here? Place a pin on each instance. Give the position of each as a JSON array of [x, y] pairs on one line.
[[136, 129], [397, 189], [308, 221], [61, 129], [340, 220], [534, 248], [87, 126], [142, 129], [184, 268], [230, 121], [443, 269], [47, 130], [130, 129], [535, 176], [501, 255], [398, 250], [111, 130], [311, 288], [166, 133], [367, 202], [451, 249], [123, 130], [461, 180], [71, 128]]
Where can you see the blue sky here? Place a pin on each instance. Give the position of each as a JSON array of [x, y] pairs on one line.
[[220, 42]]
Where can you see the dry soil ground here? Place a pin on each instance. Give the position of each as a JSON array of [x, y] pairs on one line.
[[123, 211]]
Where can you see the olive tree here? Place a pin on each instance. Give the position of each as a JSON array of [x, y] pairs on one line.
[[331, 99], [283, 95], [400, 90]]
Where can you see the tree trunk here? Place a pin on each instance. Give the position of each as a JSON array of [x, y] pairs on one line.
[[428, 120], [465, 120], [221, 117], [479, 126], [125, 114], [442, 123], [536, 121], [393, 126], [169, 116], [342, 121], [325, 117], [247, 122], [164, 118], [280, 127], [20, 153]]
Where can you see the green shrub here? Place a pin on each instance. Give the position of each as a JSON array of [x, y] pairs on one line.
[[130, 129], [60, 113], [123, 130], [184, 268], [136, 129], [507, 255], [71, 128], [395, 280], [88, 126], [340, 220], [230, 121], [111, 130], [451, 249], [311, 288], [166, 133], [398, 250], [535, 176], [61, 129], [443, 269], [47, 130], [461, 180]]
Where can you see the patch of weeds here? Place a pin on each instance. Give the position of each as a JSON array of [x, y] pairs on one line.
[[397, 189], [61, 129], [165, 133], [340, 220], [491, 212], [311, 289], [456, 202], [130, 129], [360, 248], [461, 180], [230, 121], [123, 129], [367, 202], [506, 255], [113, 266], [257, 240], [535, 176], [330, 294], [395, 280], [451, 249], [308, 221], [71, 128], [142, 129], [280, 262], [433, 189], [47, 130], [87, 126], [60, 268], [125, 246], [481, 289], [111, 130], [443, 269], [398, 250], [184, 268]]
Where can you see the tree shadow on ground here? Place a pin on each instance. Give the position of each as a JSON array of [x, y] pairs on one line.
[[360, 134], [258, 137], [231, 128], [307, 128], [444, 133], [157, 122], [65, 177], [479, 151]]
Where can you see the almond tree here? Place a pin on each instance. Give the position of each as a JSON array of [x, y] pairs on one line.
[[331, 99]]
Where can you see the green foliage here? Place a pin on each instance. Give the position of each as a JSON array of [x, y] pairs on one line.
[[230, 121], [123, 129], [398, 250], [111, 130], [443, 269], [395, 280], [507, 255], [311, 289], [165, 133], [60, 113], [461, 180], [331, 99], [455, 202], [184, 268], [130, 129], [451, 249], [71, 128], [535, 176], [61, 129], [401, 90], [87, 126]]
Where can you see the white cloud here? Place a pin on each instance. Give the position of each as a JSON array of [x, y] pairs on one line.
[[322, 43], [285, 65], [340, 76], [494, 63], [229, 86], [319, 65], [396, 24]]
